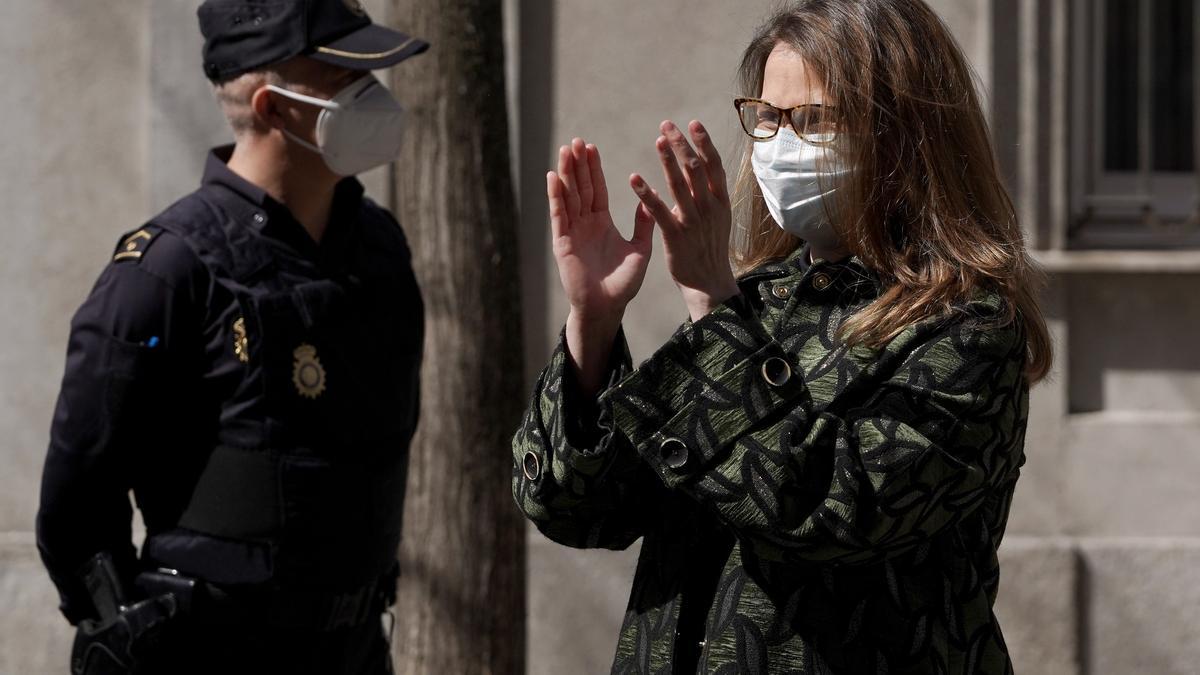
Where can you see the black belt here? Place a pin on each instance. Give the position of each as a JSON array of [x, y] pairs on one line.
[[296, 610], [289, 609]]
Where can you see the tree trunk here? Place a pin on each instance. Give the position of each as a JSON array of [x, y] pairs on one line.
[[461, 604]]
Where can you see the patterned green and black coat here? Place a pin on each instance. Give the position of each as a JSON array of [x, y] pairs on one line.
[[804, 507]]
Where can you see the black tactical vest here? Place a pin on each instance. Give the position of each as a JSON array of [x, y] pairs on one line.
[[306, 482]]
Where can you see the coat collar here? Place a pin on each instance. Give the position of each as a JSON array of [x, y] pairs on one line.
[[851, 271]]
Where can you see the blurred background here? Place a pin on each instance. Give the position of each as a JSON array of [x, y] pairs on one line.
[[1093, 109]]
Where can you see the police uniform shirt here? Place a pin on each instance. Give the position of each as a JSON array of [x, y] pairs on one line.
[[157, 371]]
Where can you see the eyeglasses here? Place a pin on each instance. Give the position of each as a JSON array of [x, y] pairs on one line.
[[814, 122]]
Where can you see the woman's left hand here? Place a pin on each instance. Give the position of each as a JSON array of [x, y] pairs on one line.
[[696, 231]]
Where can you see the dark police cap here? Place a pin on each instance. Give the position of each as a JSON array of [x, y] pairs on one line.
[[241, 35]]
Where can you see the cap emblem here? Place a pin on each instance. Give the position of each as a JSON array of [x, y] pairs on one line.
[[356, 7], [307, 373]]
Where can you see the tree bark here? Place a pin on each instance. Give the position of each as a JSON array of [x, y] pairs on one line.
[[461, 601]]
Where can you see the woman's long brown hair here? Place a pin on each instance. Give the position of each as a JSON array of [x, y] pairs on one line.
[[924, 207]]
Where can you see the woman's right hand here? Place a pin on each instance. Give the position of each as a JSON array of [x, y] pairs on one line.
[[601, 271]]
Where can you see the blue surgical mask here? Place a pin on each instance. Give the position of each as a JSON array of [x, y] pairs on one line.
[[797, 178]]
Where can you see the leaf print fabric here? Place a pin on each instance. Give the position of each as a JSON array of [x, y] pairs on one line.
[[861, 493]]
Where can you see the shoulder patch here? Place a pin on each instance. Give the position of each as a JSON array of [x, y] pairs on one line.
[[134, 244]]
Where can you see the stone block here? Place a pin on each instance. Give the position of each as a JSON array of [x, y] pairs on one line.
[[1132, 474], [1142, 605], [576, 602], [35, 639], [1039, 505], [1132, 343], [1037, 605]]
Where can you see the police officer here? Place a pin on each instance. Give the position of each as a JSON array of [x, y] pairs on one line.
[[247, 365]]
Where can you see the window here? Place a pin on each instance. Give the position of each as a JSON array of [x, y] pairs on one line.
[[1135, 135]]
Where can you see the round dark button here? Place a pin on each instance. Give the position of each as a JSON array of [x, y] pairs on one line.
[[776, 371], [821, 281], [531, 465], [673, 452]]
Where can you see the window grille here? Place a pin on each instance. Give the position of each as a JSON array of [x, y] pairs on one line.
[[1136, 128]]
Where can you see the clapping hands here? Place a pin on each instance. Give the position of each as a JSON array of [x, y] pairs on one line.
[[696, 230], [601, 271]]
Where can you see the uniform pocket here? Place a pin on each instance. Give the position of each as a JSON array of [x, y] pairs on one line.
[[133, 377]]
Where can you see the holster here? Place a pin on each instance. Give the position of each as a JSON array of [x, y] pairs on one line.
[[124, 633], [117, 646]]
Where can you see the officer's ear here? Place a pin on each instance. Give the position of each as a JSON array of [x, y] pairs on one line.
[[266, 109]]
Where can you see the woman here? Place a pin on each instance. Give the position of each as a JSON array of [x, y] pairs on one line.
[[821, 461]]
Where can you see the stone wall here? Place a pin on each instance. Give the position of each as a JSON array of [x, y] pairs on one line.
[[74, 177]]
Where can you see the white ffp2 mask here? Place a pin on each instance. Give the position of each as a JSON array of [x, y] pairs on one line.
[[797, 177], [358, 129]]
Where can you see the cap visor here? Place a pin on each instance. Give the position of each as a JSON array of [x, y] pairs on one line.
[[369, 48]]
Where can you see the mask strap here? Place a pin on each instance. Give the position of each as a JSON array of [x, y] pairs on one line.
[[319, 102], [311, 100], [301, 142]]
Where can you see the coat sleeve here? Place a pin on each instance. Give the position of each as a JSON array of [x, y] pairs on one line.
[[581, 484], [124, 341], [723, 414]]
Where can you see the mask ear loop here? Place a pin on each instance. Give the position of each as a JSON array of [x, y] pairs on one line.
[[303, 98], [301, 142], [391, 633]]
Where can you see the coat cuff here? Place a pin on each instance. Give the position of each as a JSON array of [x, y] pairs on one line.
[[711, 383], [580, 429]]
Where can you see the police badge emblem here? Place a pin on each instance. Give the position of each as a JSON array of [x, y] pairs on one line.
[[356, 7], [241, 341], [307, 373]]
